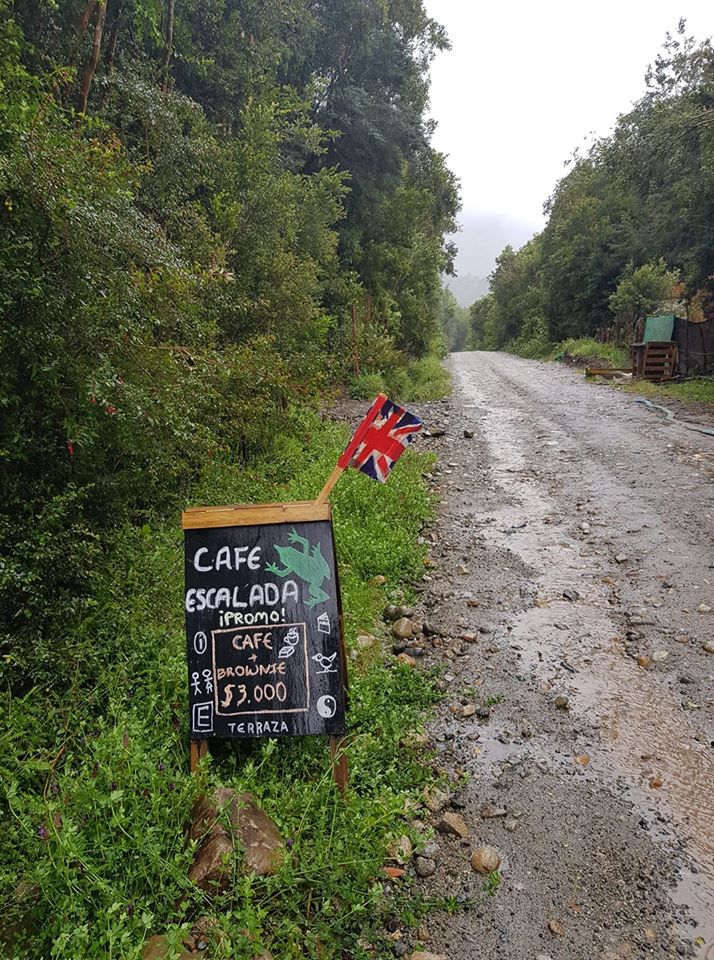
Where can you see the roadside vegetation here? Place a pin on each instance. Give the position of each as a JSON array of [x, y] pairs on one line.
[[214, 218], [696, 390], [96, 790], [613, 249]]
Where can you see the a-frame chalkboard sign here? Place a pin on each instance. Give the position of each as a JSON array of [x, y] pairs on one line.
[[264, 634]]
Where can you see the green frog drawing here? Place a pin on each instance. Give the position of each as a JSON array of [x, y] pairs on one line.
[[308, 564]]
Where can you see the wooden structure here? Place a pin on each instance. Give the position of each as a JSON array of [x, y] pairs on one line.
[[606, 371], [656, 360]]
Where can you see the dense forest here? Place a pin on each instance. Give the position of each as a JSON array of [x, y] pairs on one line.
[[210, 210], [631, 225], [215, 215]]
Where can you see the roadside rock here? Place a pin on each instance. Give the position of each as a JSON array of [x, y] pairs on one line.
[[454, 825], [571, 595], [366, 641], [425, 866], [157, 947], [485, 859], [708, 646], [406, 660], [401, 849], [562, 703], [425, 955], [704, 608], [255, 832], [468, 434], [556, 928], [403, 629], [435, 800]]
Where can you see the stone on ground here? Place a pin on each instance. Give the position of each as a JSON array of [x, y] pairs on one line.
[[221, 823]]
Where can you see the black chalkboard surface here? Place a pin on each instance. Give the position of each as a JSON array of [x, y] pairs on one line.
[[263, 625]]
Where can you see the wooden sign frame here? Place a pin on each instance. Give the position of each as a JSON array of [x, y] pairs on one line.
[[261, 515]]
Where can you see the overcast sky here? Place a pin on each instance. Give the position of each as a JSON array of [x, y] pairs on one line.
[[527, 81]]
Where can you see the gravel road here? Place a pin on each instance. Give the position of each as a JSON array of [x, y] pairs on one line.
[[575, 552]]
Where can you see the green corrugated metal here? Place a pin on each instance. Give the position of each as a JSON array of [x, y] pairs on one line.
[[659, 328]]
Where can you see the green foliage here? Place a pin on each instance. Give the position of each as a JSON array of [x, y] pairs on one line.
[[188, 219], [641, 291], [179, 261], [367, 385], [585, 348], [696, 390], [454, 321], [95, 789], [630, 220], [427, 379]]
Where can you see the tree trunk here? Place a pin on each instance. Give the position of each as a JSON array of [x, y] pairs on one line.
[[169, 45], [85, 17], [94, 57], [114, 36]]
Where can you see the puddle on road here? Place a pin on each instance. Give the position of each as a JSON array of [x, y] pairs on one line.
[[646, 735]]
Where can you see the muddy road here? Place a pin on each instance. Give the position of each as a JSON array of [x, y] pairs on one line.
[[572, 591]]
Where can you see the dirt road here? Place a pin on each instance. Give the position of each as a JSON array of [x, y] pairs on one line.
[[576, 542]]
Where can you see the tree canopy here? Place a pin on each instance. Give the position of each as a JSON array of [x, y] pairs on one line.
[[197, 196], [632, 217]]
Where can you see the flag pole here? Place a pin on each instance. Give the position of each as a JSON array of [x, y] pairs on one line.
[[352, 446], [331, 481]]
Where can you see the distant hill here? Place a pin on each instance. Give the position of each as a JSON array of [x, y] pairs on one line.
[[466, 288]]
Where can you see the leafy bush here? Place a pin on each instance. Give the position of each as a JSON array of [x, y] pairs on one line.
[[367, 386], [427, 379], [95, 789], [585, 348]]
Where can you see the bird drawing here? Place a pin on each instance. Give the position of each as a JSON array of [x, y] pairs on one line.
[[327, 663]]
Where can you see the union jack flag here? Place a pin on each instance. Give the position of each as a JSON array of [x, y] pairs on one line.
[[380, 439]]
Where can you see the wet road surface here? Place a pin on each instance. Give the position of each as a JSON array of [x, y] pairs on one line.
[[576, 543]]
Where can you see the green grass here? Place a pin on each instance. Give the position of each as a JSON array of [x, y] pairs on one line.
[[538, 347], [586, 348], [696, 390], [423, 380], [95, 790]]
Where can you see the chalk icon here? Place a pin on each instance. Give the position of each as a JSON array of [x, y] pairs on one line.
[[200, 642], [327, 663], [208, 680], [292, 638], [327, 707], [203, 717], [196, 683], [323, 623], [306, 562]]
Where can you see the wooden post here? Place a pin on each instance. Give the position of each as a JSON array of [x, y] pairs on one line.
[[331, 481], [340, 770], [199, 749]]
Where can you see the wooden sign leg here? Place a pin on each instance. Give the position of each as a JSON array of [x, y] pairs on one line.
[[199, 749], [340, 769]]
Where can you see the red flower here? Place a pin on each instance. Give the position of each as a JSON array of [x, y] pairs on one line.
[[92, 399], [110, 410], [70, 448]]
